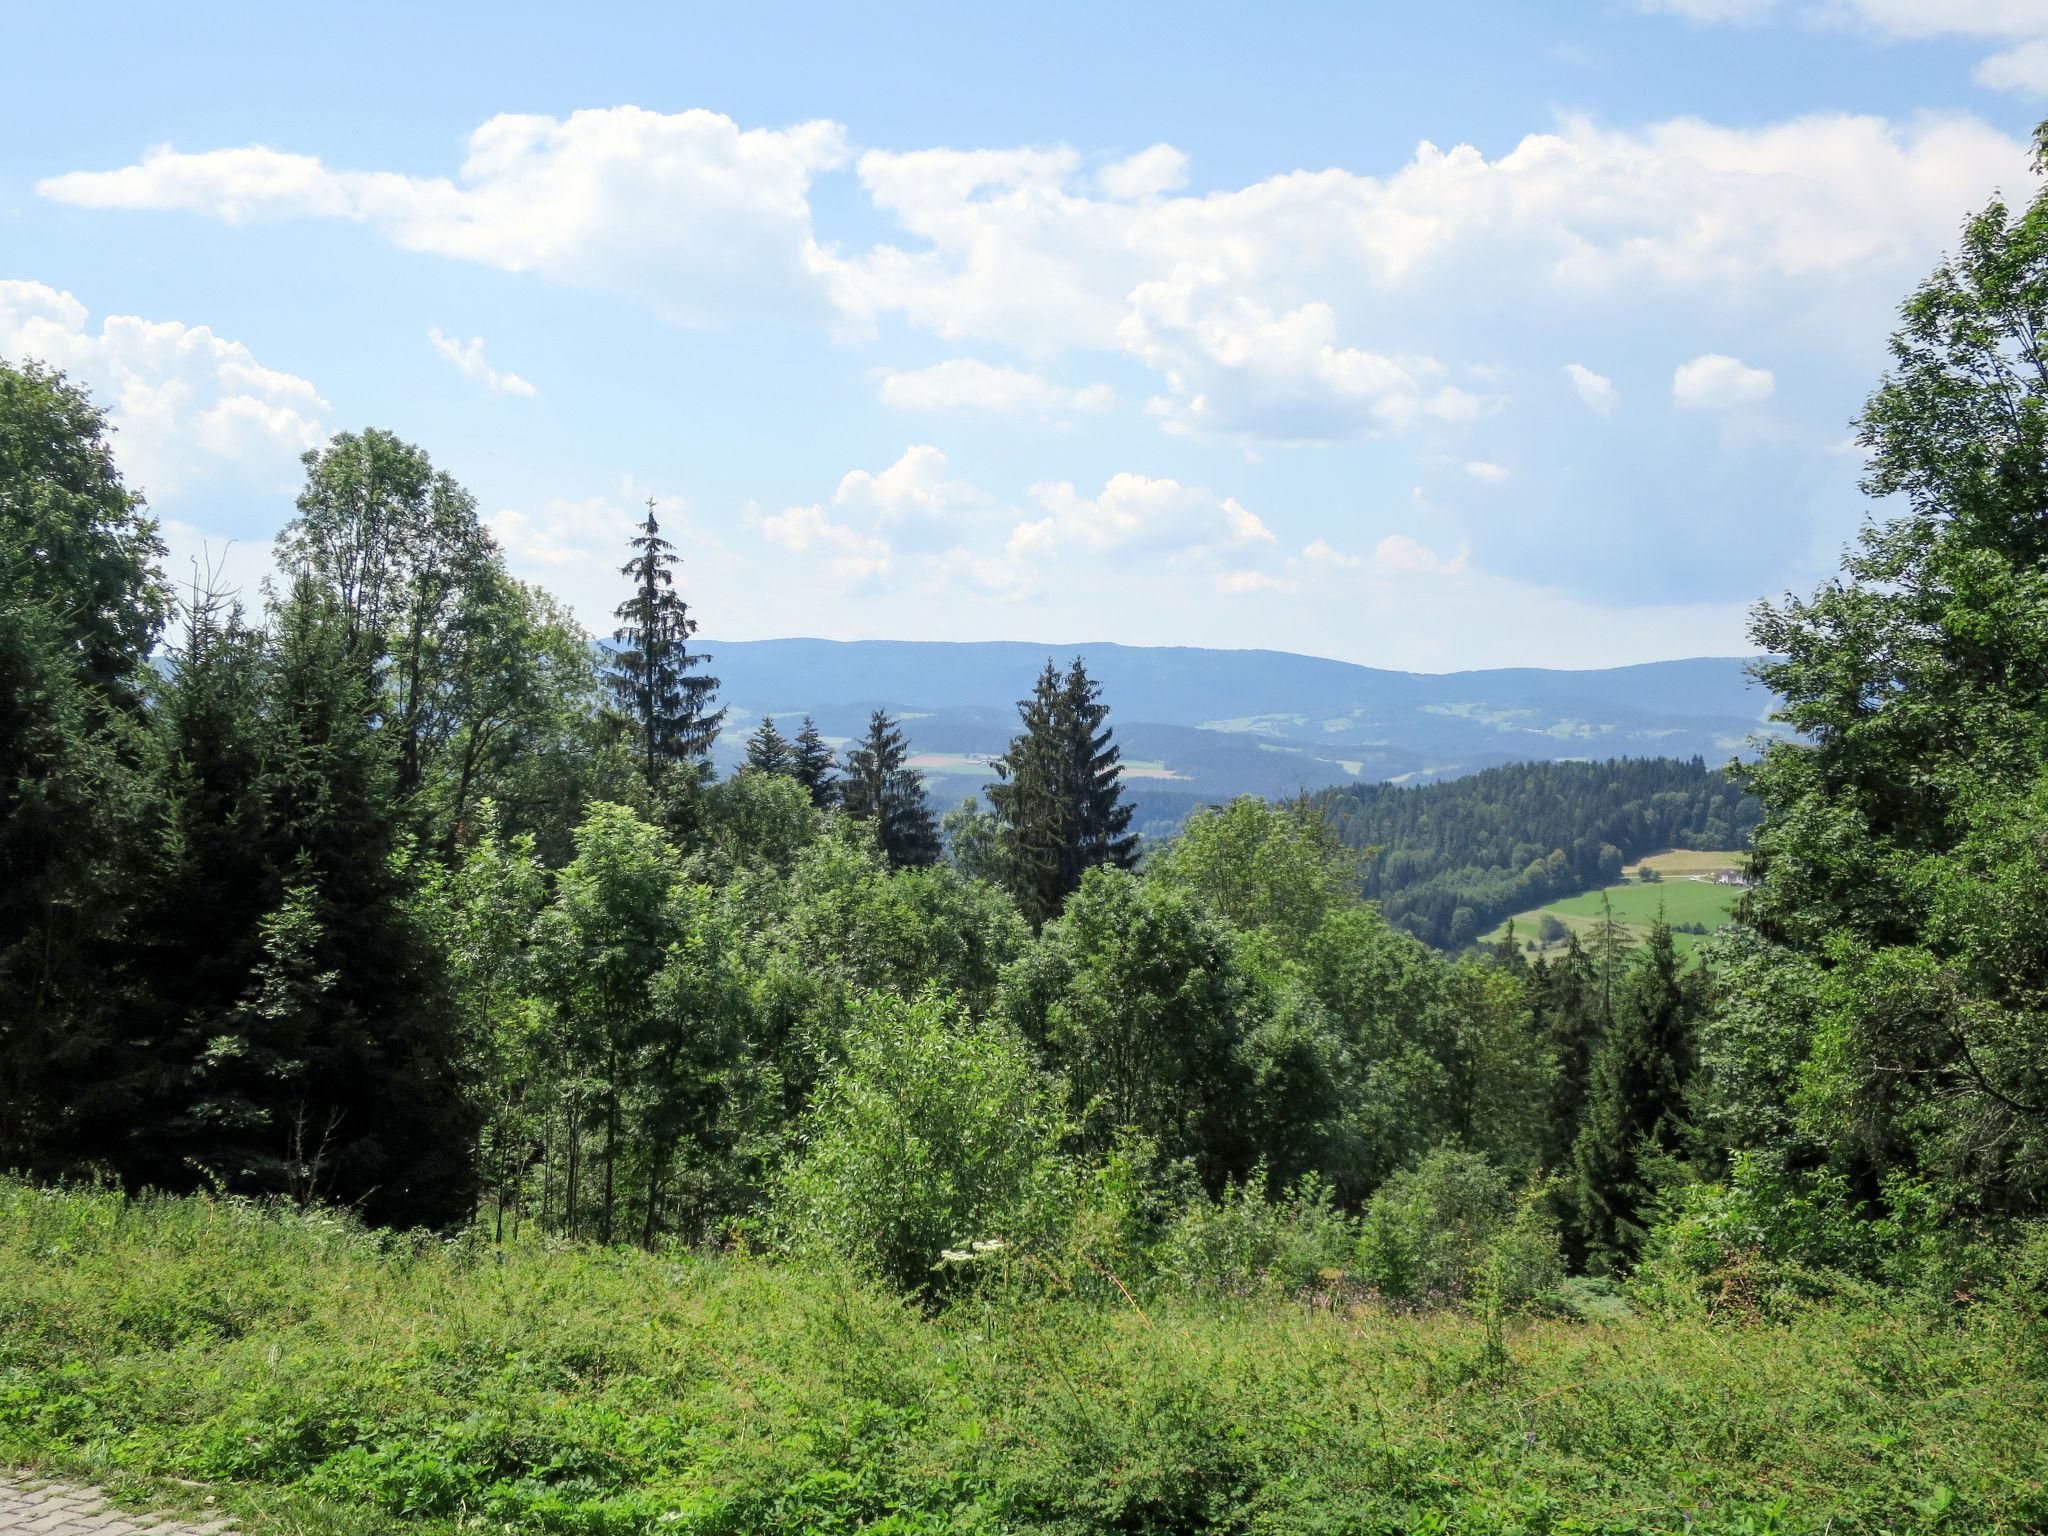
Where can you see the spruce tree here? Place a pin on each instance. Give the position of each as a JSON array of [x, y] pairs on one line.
[[769, 751], [652, 677], [813, 760], [1060, 798], [1033, 804], [80, 607], [1635, 1112], [879, 787]]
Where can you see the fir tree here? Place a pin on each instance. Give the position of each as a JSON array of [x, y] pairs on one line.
[[878, 787], [1060, 799], [813, 765], [769, 751], [1635, 1106], [652, 677]]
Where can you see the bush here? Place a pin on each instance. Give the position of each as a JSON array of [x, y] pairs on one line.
[[1451, 1228], [1762, 1238], [935, 1133], [1243, 1243]]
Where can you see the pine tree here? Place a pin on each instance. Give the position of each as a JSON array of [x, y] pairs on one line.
[[1635, 1106], [813, 765], [1102, 824], [1060, 798], [652, 678], [878, 787], [1032, 803], [769, 751], [80, 607]]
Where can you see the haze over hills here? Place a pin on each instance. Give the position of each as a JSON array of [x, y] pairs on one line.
[[1201, 724]]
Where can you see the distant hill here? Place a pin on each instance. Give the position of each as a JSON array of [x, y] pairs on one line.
[[1208, 724], [1456, 858]]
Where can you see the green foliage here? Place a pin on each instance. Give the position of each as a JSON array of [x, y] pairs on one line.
[[80, 606], [1634, 1120], [1451, 1228], [932, 1136], [1887, 1018], [1259, 866], [1059, 804], [351, 1381]]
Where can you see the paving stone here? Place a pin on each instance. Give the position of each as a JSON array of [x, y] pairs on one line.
[[34, 1506]]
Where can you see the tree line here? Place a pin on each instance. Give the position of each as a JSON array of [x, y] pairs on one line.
[[1454, 859]]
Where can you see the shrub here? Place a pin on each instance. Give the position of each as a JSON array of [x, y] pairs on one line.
[[933, 1134], [1451, 1228], [1242, 1243]]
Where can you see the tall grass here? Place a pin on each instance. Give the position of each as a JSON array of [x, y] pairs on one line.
[[345, 1379]]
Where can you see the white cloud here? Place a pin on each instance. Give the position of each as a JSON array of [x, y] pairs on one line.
[[1398, 552], [1132, 511], [1320, 553], [915, 488], [186, 404], [913, 507], [1596, 391], [1265, 310], [1715, 382], [468, 358], [968, 384], [1238, 583], [1235, 366], [1479, 469], [2024, 68], [2020, 68], [1151, 172], [851, 555], [684, 211], [1892, 18]]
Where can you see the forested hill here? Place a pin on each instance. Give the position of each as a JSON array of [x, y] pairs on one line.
[[1458, 857]]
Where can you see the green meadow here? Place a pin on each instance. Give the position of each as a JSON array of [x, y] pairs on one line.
[[1687, 894]]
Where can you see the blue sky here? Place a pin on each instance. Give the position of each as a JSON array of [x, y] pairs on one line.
[[1433, 337]]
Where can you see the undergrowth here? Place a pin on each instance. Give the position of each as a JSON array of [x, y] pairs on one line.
[[326, 1378]]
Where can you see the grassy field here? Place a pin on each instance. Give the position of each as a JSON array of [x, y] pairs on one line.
[[315, 1378], [1686, 894]]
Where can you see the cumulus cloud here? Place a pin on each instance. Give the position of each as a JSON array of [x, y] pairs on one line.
[[1480, 469], [1161, 516], [2020, 68], [685, 211], [1233, 365], [968, 384], [468, 358], [1282, 310], [850, 554], [1399, 553], [2024, 68], [914, 507], [1715, 382], [1320, 553], [1596, 391], [186, 404]]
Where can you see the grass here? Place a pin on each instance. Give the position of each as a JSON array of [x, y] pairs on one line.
[[314, 1377], [1686, 894]]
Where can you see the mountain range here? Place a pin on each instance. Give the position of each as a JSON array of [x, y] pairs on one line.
[[1197, 725]]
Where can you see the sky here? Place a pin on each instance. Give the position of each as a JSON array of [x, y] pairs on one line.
[[1431, 337]]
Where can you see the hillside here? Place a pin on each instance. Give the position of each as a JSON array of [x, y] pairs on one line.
[[1456, 858], [1210, 724]]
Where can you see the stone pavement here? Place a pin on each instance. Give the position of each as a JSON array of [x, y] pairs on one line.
[[31, 1506]]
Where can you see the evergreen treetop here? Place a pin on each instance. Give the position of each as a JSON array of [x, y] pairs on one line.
[[653, 677]]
